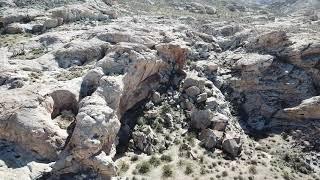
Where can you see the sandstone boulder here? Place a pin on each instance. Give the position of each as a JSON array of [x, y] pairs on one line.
[[308, 109], [16, 112], [71, 13], [174, 52], [231, 145], [145, 140], [271, 42], [80, 52], [201, 119], [193, 80], [208, 138], [193, 91]]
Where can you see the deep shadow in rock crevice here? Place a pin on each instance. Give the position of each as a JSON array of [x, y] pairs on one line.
[[128, 122]]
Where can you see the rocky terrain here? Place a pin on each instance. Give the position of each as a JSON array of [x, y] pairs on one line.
[[167, 89]]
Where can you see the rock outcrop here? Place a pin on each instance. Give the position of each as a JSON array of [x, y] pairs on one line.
[[95, 89]]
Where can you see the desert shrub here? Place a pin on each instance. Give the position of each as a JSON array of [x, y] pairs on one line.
[[202, 170], [134, 158], [154, 161], [144, 167], [190, 138], [165, 108], [124, 167], [224, 174], [188, 170], [252, 170], [167, 171], [286, 176], [166, 158]]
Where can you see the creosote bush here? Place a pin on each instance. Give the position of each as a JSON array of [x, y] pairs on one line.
[[252, 170], [144, 167], [124, 167], [167, 171], [166, 158], [134, 158], [154, 161], [188, 170]]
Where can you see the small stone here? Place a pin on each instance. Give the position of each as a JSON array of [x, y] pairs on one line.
[[189, 105], [231, 145], [209, 92], [201, 119], [193, 80], [219, 122], [211, 103], [16, 84], [208, 138], [193, 91], [169, 119], [202, 97], [156, 97], [209, 84], [149, 105], [314, 18]]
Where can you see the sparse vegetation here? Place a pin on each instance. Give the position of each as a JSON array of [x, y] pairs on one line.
[[252, 169], [166, 158], [144, 167], [134, 158], [124, 167], [154, 161], [286, 175], [224, 173], [167, 171], [188, 170]]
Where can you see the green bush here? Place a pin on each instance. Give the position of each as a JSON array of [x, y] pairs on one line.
[[134, 158], [166, 158], [286, 176], [124, 167], [188, 170], [167, 171], [154, 161], [224, 174], [252, 170], [144, 167]]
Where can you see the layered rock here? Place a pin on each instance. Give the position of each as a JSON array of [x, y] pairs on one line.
[[17, 110], [136, 72], [263, 81], [307, 110], [80, 52], [37, 21]]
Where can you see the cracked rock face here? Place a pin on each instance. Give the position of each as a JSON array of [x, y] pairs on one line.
[[101, 89], [16, 126]]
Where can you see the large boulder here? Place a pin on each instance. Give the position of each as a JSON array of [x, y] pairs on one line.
[[21, 105], [308, 109], [208, 138], [76, 12], [173, 52], [114, 36], [79, 52], [304, 53], [232, 145], [271, 42], [145, 140], [201, 119]]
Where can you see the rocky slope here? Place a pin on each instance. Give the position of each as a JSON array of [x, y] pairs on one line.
[[100, 89]]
